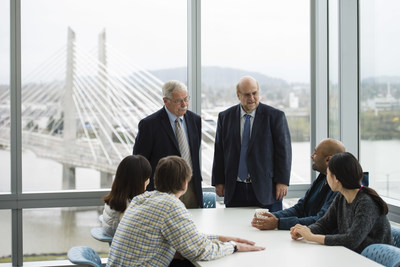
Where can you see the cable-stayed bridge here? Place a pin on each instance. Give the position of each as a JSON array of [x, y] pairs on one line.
[[88, 115]]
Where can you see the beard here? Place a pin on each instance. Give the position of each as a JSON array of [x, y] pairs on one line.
[[315, 167]]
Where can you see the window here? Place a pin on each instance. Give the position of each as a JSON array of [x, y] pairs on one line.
[[5, 232], [269, 41], [380, 95], [334, 96], [5, 119], [90, 71], [52, 232], [104, 50]]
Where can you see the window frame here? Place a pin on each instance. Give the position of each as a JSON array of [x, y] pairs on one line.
[[16, 200]]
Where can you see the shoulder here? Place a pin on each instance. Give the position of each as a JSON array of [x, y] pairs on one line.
[[365, 200], [109, 211], [193, 116], [154, 116], [109, 214], [164, 200], [229, 111], [269, 109]]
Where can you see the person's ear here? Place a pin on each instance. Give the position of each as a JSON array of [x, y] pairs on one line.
[[327, 160], [336, 180]]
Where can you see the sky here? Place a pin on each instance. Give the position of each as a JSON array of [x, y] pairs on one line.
[[270, 37]]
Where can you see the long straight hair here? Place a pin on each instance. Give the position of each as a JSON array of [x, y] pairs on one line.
[[129, 181], [349, 172]]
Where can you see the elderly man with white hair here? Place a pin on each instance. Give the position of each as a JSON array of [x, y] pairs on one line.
[[173, 130]]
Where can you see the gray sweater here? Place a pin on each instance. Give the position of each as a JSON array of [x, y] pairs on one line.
[[355, 225]]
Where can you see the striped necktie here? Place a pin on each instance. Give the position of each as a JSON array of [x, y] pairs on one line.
[[182, 142]]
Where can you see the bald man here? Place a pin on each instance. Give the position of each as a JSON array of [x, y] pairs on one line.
[[317, 199], [253, 153]]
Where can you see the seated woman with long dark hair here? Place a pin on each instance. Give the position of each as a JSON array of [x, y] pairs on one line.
[[131, 179], [357, 216]]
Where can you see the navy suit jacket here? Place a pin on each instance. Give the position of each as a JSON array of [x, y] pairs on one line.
[[269, 155], [309, 208], [156, 139]]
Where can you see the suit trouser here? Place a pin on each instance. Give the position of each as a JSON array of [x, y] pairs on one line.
[[189, 198], [244, 196]]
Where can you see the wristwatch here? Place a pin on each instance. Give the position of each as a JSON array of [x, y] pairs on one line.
[[235, 249]]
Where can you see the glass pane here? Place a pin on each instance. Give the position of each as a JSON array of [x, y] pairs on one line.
[[5, 96], [49, 233], [90, 71], [5, 233], [271, 42], [380, 94], [333, 69]]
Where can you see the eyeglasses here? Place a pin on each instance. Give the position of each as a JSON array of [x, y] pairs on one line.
[[180, 101], [248, 95]]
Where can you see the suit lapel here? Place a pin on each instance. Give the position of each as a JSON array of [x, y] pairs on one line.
[[167, 127], [189, 128], [257, 126], [236, 129]]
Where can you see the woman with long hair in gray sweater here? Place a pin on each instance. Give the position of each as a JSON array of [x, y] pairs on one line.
[[357, 216], [130, 180]]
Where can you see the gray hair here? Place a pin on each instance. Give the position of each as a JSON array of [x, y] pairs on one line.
[[171, 86]]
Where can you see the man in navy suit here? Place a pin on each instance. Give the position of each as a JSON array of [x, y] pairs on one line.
[[267, 162], [157, 138]]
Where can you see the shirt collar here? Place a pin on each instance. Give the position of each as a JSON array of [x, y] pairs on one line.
[[242, 112], [172, 117]]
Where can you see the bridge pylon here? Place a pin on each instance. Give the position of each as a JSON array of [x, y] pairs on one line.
[[106, 137], [70, 121]]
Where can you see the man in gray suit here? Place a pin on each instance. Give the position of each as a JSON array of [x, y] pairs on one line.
[[253, 153]]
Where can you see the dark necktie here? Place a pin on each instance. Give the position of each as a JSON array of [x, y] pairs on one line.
[[243, 171]]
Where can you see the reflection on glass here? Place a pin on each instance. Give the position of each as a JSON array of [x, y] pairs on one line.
[[85, 86], [49, 233], [380, 94], [269, 41], [5, 233], [5, 96], [333, 69]]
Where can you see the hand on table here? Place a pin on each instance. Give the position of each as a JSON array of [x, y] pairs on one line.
[[267, 222], [299, 230], [243, 245]]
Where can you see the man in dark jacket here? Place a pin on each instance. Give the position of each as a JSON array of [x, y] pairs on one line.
[[173, 130], [317, 199], [253, 152]]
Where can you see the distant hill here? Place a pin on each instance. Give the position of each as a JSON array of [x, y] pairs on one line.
[[382, 79], [217, 76]]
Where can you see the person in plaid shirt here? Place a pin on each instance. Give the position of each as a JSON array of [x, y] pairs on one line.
[[156, 227]]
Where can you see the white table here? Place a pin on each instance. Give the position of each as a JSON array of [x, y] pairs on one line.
[[280, 249]]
